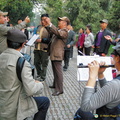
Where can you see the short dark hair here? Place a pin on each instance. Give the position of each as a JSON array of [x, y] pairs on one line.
[[20, 19], [44, 15], [115, 53], [90, 29], [14, 45]]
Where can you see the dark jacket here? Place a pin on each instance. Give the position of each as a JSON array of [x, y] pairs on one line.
[[70, 40], [105, 44]]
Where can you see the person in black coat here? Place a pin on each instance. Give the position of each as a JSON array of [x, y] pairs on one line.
[[101, 44]]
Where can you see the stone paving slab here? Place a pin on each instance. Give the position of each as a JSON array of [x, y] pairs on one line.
[[64, 106]]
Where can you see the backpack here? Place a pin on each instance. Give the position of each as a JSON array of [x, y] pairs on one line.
[[20, 64], [19, 67]]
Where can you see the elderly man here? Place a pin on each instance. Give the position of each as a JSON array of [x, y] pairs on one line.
[[59, 39], [16, 96], [101, 44], [41, 53], [107, 99], [4, 29]]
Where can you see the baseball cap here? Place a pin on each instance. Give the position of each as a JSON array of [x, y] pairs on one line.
[[104, 21], [16, 35], [116, 48], [64, 19], [3, 13]]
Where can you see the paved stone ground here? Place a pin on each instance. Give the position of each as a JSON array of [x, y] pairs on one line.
[[64, 106]]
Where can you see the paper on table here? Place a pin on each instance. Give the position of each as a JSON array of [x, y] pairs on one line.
[[32, 40], [83, 73]]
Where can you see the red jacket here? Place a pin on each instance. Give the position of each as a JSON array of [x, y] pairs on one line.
[[81, 40]]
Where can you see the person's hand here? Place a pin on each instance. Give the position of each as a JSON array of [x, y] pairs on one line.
[[108, 37], [117, 39], [37, 81], [27, 19], [93, 69], [101, 70], [47, 22], [93, 73], [38, 40], [103, 54], [93, 46], [68, 46]]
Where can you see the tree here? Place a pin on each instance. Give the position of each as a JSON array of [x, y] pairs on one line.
[[85, 12], [114, 17], [55, 8], [17, 9]]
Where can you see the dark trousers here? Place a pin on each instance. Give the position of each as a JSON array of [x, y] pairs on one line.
[[66, 58], [80, 49], [41, 62], [43, 104], [88, 50], [97, 51], [81, 115], [58, 75], [71, 52]]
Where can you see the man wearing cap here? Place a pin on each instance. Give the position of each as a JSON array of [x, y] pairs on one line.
[[101, 44], [4, 29], [59, 39], [106, 100], [16, 97], [41, 52]]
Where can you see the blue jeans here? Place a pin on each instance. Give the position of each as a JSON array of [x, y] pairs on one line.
[[81, 115], [43, 104]]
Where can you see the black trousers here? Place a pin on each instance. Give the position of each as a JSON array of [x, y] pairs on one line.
[[66, 58], [88, 50]]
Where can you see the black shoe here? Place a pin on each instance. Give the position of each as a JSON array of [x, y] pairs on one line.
[[51, 86], [64, 69], [57, 93], [41, 80]]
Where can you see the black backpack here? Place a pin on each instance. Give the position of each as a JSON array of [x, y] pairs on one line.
[[19, 67], [20, 64]]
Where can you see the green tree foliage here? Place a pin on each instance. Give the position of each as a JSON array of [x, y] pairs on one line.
[[85, 12], [55, 8], [114, 17], [80, 12], [17, 9]]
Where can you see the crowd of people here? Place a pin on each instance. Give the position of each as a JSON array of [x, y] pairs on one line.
[[100, 44], [17, 101]]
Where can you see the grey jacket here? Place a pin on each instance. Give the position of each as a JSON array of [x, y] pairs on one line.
[[108, 94], [89, 39], [16, 101], [59, 39], [3, 32], [70, 40]]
